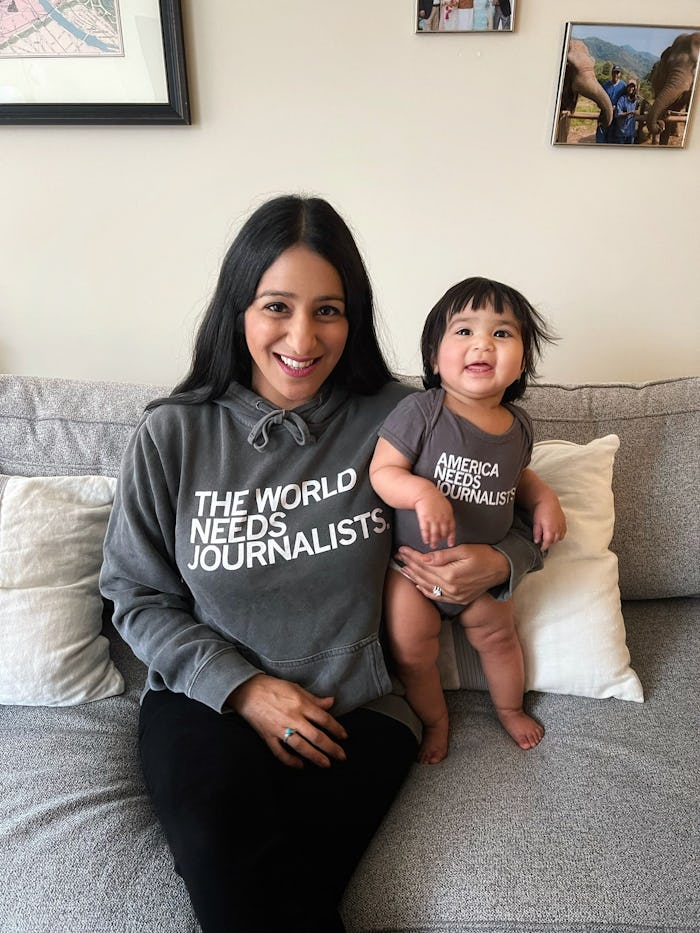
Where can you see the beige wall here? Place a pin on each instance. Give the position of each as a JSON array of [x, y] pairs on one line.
[[436, 150]]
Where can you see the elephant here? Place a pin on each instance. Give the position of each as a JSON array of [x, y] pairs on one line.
[[579, 78], [672, 80], [643, 135]]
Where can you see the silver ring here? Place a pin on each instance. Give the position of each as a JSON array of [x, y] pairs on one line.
[[437, 591], [288, 733]]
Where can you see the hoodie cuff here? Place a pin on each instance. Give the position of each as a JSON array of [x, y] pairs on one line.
[[522, 554], [218, 678]]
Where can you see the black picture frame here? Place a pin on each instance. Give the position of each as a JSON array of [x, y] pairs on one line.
[[175, 110]]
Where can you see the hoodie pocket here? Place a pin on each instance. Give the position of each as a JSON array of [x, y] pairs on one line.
[[352, 674]]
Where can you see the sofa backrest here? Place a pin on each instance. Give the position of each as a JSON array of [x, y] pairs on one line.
[[656, 475], [63, 427], [54, 427]]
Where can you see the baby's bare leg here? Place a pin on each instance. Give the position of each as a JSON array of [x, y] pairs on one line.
[[491, 631], [413, 625]]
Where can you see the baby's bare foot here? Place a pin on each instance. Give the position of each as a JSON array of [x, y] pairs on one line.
[[434, 746], [526, 731]]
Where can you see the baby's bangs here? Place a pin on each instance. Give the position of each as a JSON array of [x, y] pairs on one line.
[[481, 294]]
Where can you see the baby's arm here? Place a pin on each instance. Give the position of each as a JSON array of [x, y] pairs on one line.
[[392, 479], [548, 519]]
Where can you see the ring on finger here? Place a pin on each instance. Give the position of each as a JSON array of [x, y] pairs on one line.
[[437, 591], [288, 733]]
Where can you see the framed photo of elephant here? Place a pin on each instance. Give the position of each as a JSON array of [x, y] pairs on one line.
[[626, 85], [445, 16]]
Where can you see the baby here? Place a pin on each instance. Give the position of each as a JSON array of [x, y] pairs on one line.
[[453, 461]]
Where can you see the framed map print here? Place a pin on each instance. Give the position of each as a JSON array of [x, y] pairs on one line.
[[92, 61]]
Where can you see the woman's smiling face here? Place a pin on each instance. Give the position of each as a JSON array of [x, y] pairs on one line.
[[296, 327]]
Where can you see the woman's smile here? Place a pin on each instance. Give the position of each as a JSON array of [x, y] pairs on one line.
[[298, 367]]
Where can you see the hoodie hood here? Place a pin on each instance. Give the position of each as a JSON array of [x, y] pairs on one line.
[[305, 423]]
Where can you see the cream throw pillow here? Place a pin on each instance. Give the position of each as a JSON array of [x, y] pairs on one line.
[[51, 535], [568, 614]]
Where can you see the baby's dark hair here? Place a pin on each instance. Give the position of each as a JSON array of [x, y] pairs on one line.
[[481, 293]]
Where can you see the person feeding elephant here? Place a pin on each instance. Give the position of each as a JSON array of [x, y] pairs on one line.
[[614, 88], [626, 111]]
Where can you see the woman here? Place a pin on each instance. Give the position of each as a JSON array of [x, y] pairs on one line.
[[245, 557], [483, 15], [448, 16]]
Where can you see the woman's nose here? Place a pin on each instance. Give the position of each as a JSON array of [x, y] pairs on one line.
[[301, 334]]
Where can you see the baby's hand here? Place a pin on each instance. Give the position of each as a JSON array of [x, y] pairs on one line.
[[435, 519], [548, 521]]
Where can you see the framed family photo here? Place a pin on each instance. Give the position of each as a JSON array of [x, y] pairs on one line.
[[92, 61], [626, 85], [443, 16]]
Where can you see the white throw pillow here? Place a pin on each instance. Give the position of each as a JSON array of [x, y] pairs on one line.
[[568, 615], [51, 535]]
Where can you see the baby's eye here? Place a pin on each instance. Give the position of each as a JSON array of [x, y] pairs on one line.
[[502, 333], [463, 332]]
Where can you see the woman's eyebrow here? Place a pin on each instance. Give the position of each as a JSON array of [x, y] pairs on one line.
[[274, 293], [270, 293]]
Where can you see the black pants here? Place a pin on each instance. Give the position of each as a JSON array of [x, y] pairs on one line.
[[259, 845]]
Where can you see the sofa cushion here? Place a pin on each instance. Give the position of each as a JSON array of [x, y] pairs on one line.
[[51, 534], [657, 472], [568, 614], [81, 850], [593, 831]]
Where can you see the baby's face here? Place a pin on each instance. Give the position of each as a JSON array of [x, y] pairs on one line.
[[480, 354]]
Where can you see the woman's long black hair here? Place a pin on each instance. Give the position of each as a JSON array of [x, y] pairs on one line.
[[221, 354], [480, 293]]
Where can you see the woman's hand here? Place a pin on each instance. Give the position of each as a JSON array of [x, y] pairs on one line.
[[271, 706], [463, 573]]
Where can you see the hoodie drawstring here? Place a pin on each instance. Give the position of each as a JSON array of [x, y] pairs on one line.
[[297, 427]]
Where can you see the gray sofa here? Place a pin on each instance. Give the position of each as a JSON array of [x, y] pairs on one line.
[[595, 831]]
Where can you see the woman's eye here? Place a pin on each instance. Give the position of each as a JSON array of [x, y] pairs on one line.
[[276, 306], [329, 311]]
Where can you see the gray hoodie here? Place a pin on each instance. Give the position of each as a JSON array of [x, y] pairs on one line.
[[245, 538]]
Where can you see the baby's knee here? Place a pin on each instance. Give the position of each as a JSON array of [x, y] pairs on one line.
[[496, 640], [485, 611], [491, 628], [415, 654]]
